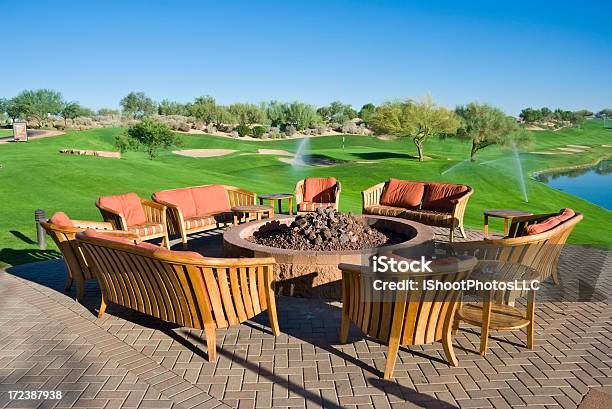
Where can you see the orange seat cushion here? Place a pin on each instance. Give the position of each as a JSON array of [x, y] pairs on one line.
[[100, 235], [565, 214], [402, 193], [438, 196], [320, 190], [128, 204], [181, 198], [211, 199], [61, 219]]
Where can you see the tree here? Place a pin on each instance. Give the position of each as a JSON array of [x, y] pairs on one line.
[[167, 107], [148, 135], [545, 113], [71, 110], [38, 104], [415, 120], [583, 113], [205, 108], [337, 113], [108, 112], [137, 105], [530, 115], [13, 109], [247, 114], [277, 113], [367, 112], [607, 112], [485, 125], [301, 115]]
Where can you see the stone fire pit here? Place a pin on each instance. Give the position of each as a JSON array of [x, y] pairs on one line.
[[315, 274]]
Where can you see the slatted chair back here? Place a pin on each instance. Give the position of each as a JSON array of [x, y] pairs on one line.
[[182, 287], [413, 317], [64, 238], [540, 251]]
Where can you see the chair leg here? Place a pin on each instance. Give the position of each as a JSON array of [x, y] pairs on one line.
[[463, 235], [102, 307], [184, 241], [80, 289], [486, 321], [68, 283], [391, 357], [344, 327], [211, 343], [531, 318], [451, 235], [166, 241], [447, 343], [271, 301]]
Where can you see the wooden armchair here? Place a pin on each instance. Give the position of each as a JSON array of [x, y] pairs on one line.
[[520, 256], [397, 318], [200, 208], [142, 217], [312, 193], [62, 230], [182, 287]]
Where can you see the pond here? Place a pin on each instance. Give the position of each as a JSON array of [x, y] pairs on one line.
[[593, 184]]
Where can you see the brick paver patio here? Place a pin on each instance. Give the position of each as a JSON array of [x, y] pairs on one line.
[[50, 342]]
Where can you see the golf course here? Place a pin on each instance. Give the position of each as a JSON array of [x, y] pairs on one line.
[[35, 175]]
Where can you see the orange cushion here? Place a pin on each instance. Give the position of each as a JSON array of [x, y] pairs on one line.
[[320, 190], [178, 253], [565, 214], [402, 193], [543, 226], [128, 204], [211, 199], [181, 198], [100, 235], [438, 196], [61, 219]]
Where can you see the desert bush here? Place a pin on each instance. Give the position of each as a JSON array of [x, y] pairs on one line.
[[243, 130], [290, 130], [258, 131], [349, 127], [211, 129], [234, 134]]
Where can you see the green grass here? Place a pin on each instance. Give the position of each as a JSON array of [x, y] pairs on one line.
[[5, 132], [35, 175]]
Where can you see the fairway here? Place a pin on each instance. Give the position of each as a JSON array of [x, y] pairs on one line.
[[35, 175]]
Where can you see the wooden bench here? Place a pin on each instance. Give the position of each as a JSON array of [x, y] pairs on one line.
[[430, 203], [200, 208], [181, 287]]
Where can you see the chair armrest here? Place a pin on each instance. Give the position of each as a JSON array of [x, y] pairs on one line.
[[351, 268], [91, 224], [240, 197], [299, 192], [155, 212], [371, 196], [117, 219], [124, 234]]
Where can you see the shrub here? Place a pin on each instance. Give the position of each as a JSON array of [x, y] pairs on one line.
[[148, 135], [211, 129], [290, 130], [243, 130], [258, 131]]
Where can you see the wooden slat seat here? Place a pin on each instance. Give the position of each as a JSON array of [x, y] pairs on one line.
[[182, 287]]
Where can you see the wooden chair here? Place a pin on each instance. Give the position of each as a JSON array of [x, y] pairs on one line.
[[63, 230], [131, 213], [519, 256], [200, 208], [182, 287], [403, 317], [312, 193]]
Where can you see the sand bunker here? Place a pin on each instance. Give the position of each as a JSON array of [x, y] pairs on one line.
[[572, 150], [606, 146], [204, 153], [550, 153], [579, 146], [279, 152]]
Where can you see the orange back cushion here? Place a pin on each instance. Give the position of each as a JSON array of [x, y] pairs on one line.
[[181, 198], [550, 222], [211, 199], [402, 193], [61, 219], [100, 235], [438, 196], [128, 204], [320, 190]]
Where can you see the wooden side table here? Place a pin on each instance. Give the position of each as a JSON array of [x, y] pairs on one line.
[[506, 214], [251, 212], [279, 197]]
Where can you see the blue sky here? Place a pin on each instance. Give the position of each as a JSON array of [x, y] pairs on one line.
[[513, 55]]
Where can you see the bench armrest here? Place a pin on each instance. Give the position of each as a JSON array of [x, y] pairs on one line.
[[371, 196]]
